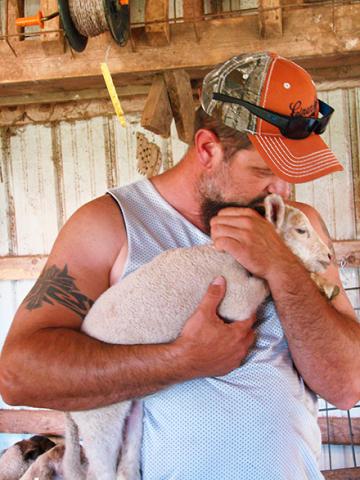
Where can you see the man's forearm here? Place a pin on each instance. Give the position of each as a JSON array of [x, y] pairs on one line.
[[324, 343], [67, 370]]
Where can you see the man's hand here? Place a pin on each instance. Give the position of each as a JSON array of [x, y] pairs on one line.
[[209, 346], [251, 240]]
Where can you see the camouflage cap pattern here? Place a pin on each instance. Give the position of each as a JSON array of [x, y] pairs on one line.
[[241, 77]]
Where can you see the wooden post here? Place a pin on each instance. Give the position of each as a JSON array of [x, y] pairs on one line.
[[270, 18], [158, 33], [157, 114], [15, 10], [193, 10], [52, 42], [182, 104]]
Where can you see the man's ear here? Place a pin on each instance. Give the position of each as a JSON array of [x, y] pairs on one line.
[[208, 148]]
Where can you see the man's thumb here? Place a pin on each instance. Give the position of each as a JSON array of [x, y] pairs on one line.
[[216, 290]]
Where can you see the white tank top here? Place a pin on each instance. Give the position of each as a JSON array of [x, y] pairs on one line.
[[259, 422]]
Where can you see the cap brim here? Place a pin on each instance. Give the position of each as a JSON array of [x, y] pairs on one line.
[[296, 161]]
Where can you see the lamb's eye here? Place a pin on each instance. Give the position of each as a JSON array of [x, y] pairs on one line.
[[300, 230]]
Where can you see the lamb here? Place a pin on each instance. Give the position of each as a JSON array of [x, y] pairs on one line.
[[175, 283], [15, 460]]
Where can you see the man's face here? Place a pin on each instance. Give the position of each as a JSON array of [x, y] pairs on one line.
[[244, 180]]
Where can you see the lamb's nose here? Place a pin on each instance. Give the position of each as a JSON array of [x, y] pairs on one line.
[[329, 256]]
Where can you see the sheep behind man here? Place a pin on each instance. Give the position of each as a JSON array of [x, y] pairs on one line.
[[151, 305]]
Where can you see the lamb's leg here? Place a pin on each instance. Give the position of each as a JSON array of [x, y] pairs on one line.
[[129, 466], [71, 463], [102, 433]]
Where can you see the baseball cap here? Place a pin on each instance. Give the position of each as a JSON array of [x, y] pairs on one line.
[[279, 85]]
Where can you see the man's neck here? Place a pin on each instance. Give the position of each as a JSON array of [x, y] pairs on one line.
[[178, 186]]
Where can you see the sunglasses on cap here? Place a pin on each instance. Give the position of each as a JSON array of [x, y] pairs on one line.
[[296, 127]]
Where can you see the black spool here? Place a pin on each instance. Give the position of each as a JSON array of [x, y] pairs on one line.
[[77, 41], [118, 19]]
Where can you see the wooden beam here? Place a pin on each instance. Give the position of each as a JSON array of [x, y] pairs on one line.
[[76, 95], [336, 430], [29, 267], [157, 114], [182, 104], [342, 474], [46, 422], [74, 110], [157, 22], [270, 19], [217, 41]]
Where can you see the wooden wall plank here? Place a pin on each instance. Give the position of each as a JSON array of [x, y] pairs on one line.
[[354, 127], [331, 201], [33, 186], [4, 202], [83, 162]]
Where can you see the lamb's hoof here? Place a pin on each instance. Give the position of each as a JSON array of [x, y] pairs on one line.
[[333, 292]]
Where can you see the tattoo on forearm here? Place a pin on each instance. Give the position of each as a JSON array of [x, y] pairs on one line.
[[329, 242], [57, 286]]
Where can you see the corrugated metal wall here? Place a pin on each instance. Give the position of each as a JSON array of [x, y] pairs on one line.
[[48, 171]]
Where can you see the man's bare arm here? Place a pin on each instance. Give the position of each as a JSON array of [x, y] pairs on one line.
[[323, 337], [48, 362]]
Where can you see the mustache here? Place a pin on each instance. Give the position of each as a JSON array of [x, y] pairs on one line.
[[210, 208]]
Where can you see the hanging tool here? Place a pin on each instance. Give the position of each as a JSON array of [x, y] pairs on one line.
[[37, 19]]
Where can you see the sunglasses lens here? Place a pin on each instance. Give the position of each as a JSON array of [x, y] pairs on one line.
[[297, 128], [322, 124]]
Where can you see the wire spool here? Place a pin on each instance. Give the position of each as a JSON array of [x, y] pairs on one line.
[[88, 18]]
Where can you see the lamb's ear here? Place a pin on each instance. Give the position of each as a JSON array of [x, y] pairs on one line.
[[275, 210]]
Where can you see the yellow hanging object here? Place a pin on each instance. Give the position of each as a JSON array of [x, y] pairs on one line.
[[112, 92]]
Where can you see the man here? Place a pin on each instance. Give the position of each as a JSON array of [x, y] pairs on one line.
[[207, 418]]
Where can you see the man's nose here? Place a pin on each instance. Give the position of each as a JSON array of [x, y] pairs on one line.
[[280, 187]]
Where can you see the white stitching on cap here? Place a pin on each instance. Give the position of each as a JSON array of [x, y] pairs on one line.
[[324, 164], [319, 157]]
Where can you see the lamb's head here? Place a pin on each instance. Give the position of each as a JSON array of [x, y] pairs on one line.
[[298, 234]]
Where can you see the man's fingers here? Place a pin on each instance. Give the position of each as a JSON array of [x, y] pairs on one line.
[[237, 212]]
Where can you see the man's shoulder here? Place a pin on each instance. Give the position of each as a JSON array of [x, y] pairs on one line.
[[97, 224]]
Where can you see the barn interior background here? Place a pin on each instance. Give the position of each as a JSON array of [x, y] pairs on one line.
[[62, 145]]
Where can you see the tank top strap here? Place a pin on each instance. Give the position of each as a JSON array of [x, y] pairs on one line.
[[152, 224]]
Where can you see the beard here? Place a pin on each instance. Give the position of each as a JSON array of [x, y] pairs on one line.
[[211, 189], [210, 208]]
